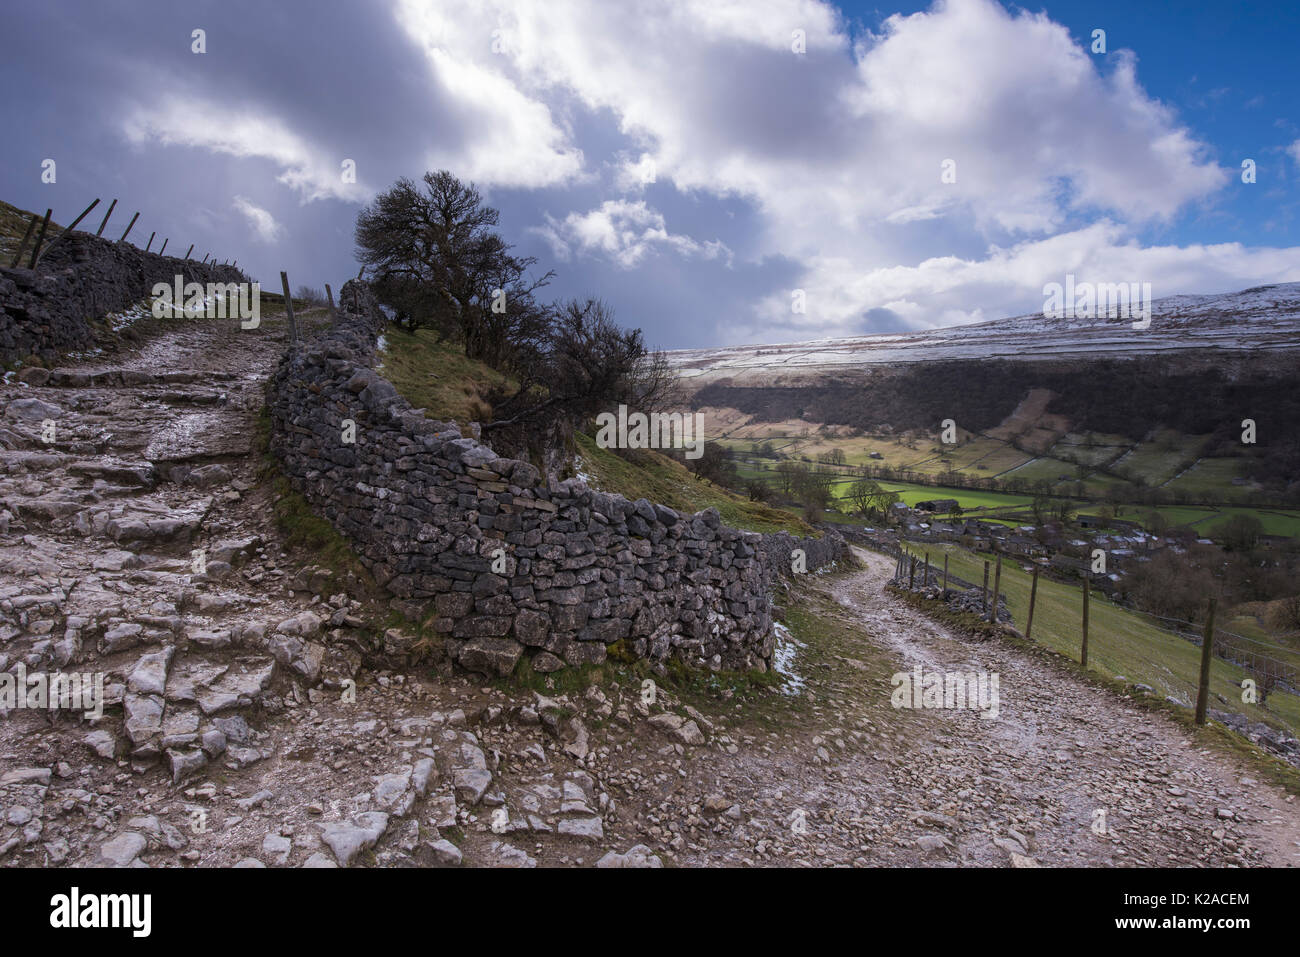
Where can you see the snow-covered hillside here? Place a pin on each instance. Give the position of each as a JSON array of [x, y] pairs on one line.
[[1265, 317]]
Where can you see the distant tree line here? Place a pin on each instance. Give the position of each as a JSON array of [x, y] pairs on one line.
[[1131, 398], [1178, 585]]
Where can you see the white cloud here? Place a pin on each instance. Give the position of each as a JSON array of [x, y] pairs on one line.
[[623, 231], [509, 138], [307, 169], [831, 158], [949, 290], [262, 222], [632, 175], [839, 150], [721, 103]]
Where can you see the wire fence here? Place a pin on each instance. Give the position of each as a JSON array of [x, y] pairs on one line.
[[40, 249], [1263, 661]]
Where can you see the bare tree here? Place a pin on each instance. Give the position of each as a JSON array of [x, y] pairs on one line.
[[311, 296], [786, 472], [713, 465], [869, 499], [441, 236], [585, 363]]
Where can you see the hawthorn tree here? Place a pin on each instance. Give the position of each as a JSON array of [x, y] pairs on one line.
[[433, 250]]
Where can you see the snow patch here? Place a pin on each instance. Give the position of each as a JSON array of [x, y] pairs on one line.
[[783, 657], [117, 321]]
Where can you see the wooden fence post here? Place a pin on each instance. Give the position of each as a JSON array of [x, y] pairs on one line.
[[111, 207], [63, 235], [1083, 652], [128, 227], [288, 309], [188, 251], [926, 581], [984, 601], [329, 294], [911, 573], [18, 256], [163, 248], [149, 244], [1207, 649], [1033, 597], [997, 586], [40, 238]]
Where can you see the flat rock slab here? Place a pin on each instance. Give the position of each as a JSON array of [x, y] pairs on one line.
[[347, 839], [197, 435]]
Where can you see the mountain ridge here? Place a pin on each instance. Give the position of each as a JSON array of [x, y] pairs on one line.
[[1259, 318]]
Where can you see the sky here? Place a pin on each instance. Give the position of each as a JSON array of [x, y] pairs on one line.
[[720, 173]]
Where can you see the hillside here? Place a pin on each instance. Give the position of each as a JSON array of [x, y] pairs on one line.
[[13, 225], [1086, 408], [435, 375], [1261, 318]]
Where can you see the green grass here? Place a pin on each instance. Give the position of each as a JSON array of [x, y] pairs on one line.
[[1275, 521], [1203, 520], [1097, 466], [1120, 642], [968, 499], [1046, 468], [13, 224], [1076, 448], [1211, 478], [437, 376], [304, 529], [1160, 460], [649, 475]]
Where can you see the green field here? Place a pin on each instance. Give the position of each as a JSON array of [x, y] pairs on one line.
[[1092, 465], [995, 506], [1203, 520], [1158, 461], [1045, 468], [966, 498], [1090, 449], [1209, 477], [1120, 642]]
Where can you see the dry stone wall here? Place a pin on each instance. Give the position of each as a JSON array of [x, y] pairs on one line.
[[509, 562], [44, 312]]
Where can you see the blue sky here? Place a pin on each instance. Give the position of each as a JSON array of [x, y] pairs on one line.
[[684, 160]]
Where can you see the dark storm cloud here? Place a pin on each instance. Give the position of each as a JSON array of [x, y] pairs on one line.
[[341, 77], [779, 172]]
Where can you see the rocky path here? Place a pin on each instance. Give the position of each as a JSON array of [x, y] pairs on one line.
[[137, 544], [1072, 774], [251, 720], [1064, 776]]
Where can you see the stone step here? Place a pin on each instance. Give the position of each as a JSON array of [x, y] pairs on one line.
[[117, 378]]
